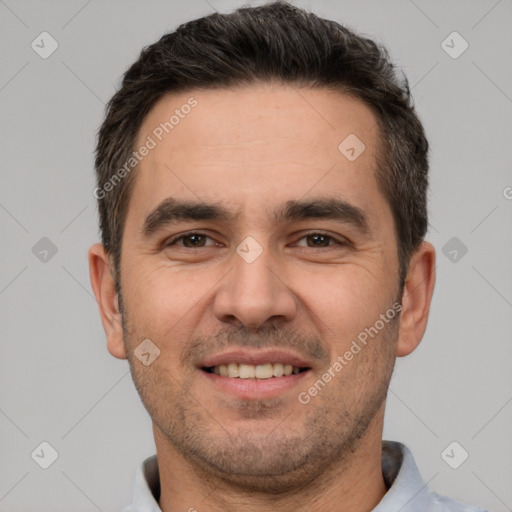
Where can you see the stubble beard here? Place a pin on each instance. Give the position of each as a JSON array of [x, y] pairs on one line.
[[287, 456]]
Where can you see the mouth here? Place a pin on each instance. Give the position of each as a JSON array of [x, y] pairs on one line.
[[254, 375], [255, 372]]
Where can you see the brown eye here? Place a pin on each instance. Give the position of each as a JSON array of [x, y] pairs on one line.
[[319, 240], [190, 240], [195, 239]]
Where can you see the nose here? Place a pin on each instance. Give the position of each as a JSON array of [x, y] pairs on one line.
[[254, 293]]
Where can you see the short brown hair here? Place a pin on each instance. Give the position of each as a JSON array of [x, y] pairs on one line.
[[274, 42]]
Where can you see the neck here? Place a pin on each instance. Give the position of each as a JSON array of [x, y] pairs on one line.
[[355, 484]]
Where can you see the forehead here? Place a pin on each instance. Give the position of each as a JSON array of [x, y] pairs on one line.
[[255, 145]]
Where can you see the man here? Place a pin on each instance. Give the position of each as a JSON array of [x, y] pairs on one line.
[[261, 182]]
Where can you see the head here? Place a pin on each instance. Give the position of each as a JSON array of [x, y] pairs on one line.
[[273, 133]]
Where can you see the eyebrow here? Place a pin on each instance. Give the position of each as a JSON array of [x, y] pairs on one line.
[[171, 211]]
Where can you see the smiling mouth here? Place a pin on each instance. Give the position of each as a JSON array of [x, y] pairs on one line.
[[255, 372]]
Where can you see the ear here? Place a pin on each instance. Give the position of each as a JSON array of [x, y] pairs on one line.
[[418, 290], [104, 288]]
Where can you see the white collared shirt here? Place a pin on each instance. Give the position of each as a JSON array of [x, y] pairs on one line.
[[407, 492]]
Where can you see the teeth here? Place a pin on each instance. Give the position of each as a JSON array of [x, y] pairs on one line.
[[264, 371], [260, 371], [247, 371], [233, 370], [278, 370]]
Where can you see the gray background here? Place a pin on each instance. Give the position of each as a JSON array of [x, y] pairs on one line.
[[59, 384]]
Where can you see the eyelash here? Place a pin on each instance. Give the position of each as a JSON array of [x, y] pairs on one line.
[[311, 233]]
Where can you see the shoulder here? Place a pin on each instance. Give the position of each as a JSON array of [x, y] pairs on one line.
[[446, 504]]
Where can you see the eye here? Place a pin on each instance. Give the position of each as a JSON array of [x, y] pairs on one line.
[[320, 240], [196, 239]]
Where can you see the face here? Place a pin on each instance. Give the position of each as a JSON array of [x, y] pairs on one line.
[[252, 240]]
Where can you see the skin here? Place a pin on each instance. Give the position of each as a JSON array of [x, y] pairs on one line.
[[270, 144]]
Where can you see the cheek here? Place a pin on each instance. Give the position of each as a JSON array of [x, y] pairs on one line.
[[345, 302], [163, 301]]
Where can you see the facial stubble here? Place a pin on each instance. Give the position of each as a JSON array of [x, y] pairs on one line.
[[269, 451]]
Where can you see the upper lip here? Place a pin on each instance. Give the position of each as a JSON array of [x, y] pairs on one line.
[[255, 358]]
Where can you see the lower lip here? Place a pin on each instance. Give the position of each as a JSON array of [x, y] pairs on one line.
[[254, 389]]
